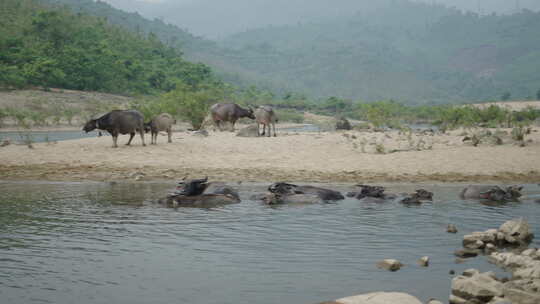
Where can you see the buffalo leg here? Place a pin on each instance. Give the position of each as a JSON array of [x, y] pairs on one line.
[[264, 129], [232, 125], [152, 136], [130, 138], [274, 125], [141, 131], [169, 134], [258, 129], [114, 139], [218, 124]]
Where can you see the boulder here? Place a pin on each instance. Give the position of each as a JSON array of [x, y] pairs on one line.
[[522, 291], [466, 253], [480, 287], [451, 228], [477, 240], [516, 231], [389, 264], [423, 261], [380, 298]]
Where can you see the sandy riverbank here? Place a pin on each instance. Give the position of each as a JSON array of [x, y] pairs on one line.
[[324, 157]]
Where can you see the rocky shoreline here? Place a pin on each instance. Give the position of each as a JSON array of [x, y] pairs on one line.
[[506, 247]]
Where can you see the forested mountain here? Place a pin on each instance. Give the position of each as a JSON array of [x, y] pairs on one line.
[[406, 51], [216, 19], [51, 47], [394, 49]]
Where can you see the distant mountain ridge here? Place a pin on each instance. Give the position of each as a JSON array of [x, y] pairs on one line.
[[407, 51]]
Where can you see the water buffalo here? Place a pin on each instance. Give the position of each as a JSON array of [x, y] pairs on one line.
[[202, 194], [162, 122], [492, 193], [266, 116], [119, 122], [284, 193], [230, 112], [376, 194]]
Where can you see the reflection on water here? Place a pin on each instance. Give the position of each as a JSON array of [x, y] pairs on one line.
[[46, 136], [110, 243]]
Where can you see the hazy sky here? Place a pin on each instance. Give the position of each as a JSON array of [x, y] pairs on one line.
[[218, 18]]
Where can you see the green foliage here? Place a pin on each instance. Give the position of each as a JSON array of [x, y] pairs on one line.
[[47, 47]]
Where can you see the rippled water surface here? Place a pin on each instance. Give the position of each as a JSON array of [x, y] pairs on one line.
[[110, 243]]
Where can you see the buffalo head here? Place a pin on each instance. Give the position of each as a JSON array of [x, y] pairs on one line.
[[90, 125], [514, 192], [250, 113], [494, 194]]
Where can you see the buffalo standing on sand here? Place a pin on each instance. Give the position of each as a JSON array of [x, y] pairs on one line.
[[162, 122], [229, 112], [119, 122], [266, 116]]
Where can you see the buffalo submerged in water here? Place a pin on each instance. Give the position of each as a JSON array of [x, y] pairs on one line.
[[119, 122], [202, 194]]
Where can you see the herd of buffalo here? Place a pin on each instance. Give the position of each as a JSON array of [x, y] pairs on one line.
[[201, 193], [132, 122]]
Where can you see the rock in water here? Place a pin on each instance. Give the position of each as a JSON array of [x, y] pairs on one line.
[[380, 298], [478, 288], [389, 264], [423, 261], [516, 231]]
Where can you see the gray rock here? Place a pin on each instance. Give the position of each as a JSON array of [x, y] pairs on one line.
[[380, 298], [423, 261], [478, 287], [470, 272], [516, 231], [389, 264], [433, 301], [466, 253], [451, 228], [456, 300], [477, 240]]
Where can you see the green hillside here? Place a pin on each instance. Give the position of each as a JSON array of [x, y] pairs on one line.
[[42, 46], [414, 53]]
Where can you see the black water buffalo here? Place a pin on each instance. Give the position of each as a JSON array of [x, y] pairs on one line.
[[285, 193], [266, 116], [492, 193], [162, 122], [202, 194], [231, 112], [376, 194], [119, 122]]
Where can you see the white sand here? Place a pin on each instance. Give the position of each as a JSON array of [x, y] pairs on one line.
[[322, 157]]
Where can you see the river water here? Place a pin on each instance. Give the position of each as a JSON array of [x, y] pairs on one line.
[[110, 243]]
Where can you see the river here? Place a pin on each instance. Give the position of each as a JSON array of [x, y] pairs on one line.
[[93, 242]]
